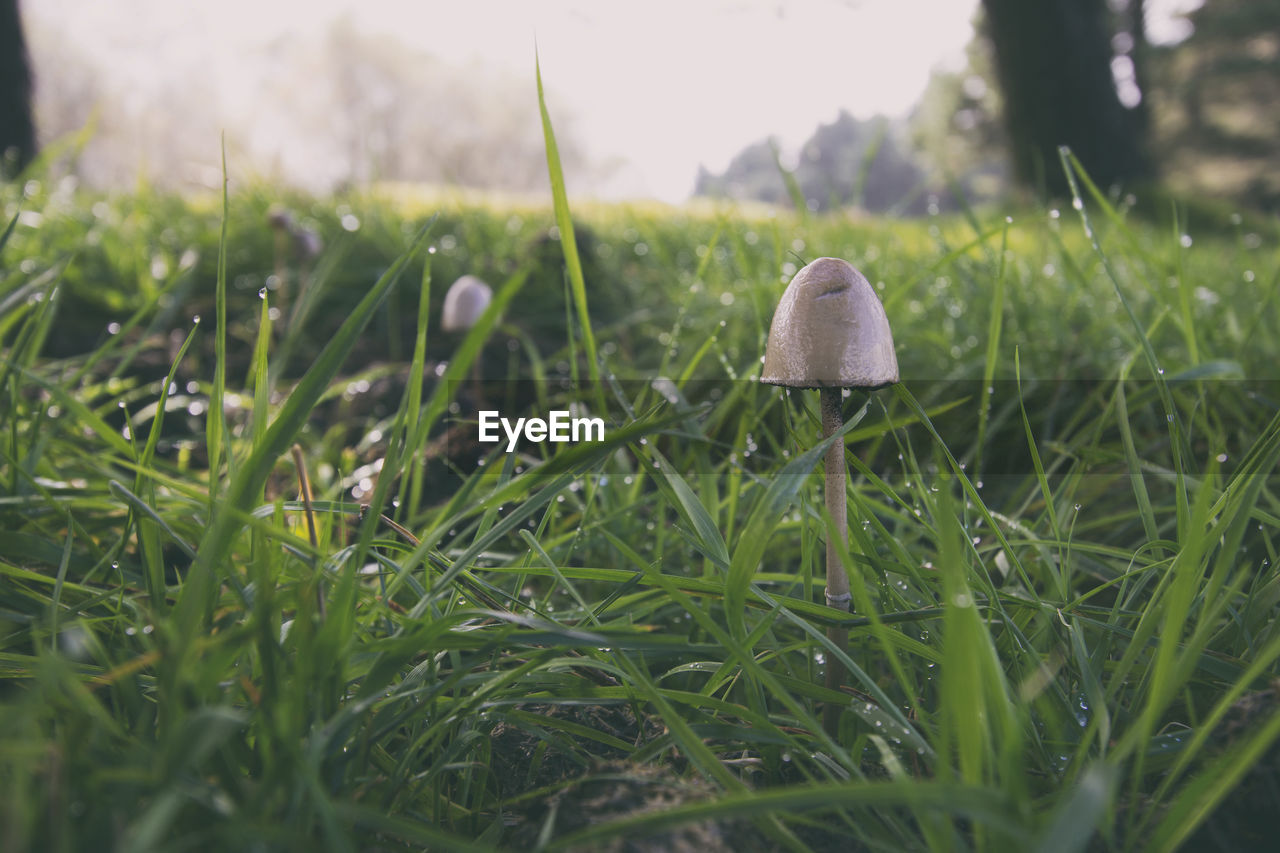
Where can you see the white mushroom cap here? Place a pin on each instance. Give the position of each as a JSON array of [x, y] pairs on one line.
[[464, 303], [830, 331]]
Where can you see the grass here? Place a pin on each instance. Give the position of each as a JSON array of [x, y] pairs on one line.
[[1063, 542]]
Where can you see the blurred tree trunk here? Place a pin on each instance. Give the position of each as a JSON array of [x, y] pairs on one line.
[[17, 131], [1053, 64]]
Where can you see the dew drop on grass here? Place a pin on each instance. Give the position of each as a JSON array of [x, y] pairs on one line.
[[113, 328], [195, 319], [1077, 203]]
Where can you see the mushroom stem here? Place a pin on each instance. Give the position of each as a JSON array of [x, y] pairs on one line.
[[837, 591], [830, 332]]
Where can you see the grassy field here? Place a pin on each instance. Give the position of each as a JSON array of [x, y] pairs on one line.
[[1063, 529]]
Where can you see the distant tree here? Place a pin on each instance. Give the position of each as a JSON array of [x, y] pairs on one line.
[[335, 108], [863, 163], [88, 128], [751, 174], [1216, 111], [957, 126], [17, 131], [1054, 65], [847, 162], [390, 112]]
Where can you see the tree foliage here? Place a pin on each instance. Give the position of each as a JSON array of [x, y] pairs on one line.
[[1216, 109], [391, 112], [341, 108], [957, 124], [867, 164]]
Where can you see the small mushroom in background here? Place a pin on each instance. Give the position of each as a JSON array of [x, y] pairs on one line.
[[293, 243], [830, 332], [464, 303]]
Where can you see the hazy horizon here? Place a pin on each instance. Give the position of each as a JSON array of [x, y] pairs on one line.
[[650, 93]]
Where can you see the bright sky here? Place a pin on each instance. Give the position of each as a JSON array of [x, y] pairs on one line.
[[663, 85]]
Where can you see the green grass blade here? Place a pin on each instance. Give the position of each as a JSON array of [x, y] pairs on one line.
[[569, 242], [1081, 811], [764, 518], [216, 545], [216, 420], [709, 541]]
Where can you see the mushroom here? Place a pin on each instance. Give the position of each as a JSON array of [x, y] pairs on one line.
[[464, 303], [830, 332]]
